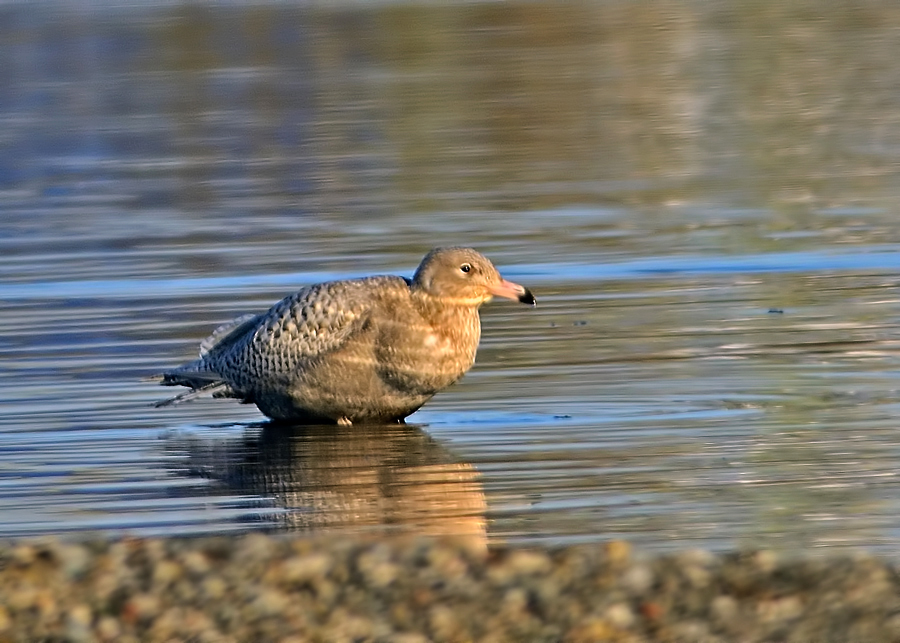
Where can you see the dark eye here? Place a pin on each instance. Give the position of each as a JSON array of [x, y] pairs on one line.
[[465, 267]]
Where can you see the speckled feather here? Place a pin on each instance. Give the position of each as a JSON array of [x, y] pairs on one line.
[[372, 349]]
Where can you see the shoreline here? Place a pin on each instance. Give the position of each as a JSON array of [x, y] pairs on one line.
[[407, 589]]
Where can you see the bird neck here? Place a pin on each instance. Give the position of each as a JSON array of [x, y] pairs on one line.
[[455, 318]]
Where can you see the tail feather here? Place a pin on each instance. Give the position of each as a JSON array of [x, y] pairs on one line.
[[199, 376], [216, 388]]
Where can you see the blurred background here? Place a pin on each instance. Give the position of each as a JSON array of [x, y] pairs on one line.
[[702, 195]]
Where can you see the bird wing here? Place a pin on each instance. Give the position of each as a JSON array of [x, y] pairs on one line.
[[228, 333], [314, 321], [273, 345]]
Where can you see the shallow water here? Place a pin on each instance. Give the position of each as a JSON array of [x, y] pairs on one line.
[[701, 197]]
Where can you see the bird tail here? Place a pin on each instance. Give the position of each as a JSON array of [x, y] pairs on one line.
[[200, 384], [216, 389]]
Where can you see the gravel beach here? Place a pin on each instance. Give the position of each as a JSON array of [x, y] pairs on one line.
[[411, 590]]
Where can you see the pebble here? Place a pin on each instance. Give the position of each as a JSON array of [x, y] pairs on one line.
[[284, 588], [723, 609], [638, 579]]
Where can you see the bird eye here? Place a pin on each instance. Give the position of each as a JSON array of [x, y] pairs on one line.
[[465, 267]]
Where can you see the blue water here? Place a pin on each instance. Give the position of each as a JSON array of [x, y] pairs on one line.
[[713, 360]]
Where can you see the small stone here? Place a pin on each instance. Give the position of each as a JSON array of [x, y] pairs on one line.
[[108, 629], [378, 570], [780, 609], [199, 622], [528, 563], [24, 554], [444, 623], [74, 559], [269, 602], [692, 630], [652, 610], [24, 598], [166, 572], [195, 562], [698, 577], [167, 624], [638, 579], [618, 552], [142, 607], [344, 626], [153, 549], [699, 557], [619, 615], [695, 566], [891, 626], [765, 561], [304, 568], [47, 602], [591, 630], [254, 547], [723, 609], [518, 564], [447, 562], [407, 637], [547, 589], [80, 615], [515, 601], [214, 587]]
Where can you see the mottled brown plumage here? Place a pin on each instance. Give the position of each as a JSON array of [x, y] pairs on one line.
[[358, 350]]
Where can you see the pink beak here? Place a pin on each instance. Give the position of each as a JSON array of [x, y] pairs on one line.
[[509, 290]]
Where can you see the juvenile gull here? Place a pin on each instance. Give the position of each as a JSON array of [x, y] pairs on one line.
[[358, 350]]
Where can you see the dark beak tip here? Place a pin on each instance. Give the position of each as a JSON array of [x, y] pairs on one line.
[[527, 298]]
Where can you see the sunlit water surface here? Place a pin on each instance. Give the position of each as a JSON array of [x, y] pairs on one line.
[[703, 199]]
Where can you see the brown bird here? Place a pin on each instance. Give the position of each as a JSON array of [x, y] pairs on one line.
[[358, 350]]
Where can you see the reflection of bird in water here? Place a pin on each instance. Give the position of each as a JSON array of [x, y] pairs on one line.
[[359, 350], [392, 476]]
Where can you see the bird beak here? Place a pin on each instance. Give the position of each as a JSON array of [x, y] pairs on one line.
[[509, 290]]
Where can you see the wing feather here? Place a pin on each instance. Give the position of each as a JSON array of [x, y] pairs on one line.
[[256, 352], [228, 333]]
